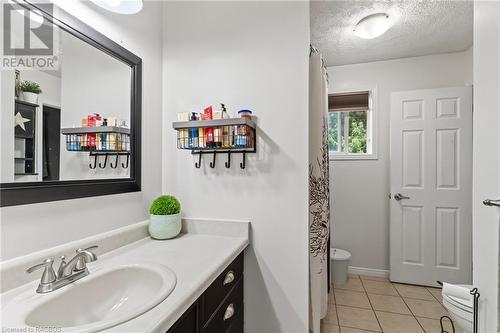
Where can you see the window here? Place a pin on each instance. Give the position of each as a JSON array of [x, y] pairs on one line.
[[350, 125]]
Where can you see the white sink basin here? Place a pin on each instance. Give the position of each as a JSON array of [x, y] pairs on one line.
[[105, 298]]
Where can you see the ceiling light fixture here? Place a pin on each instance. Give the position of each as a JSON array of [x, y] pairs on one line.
[[373, 26], [120, 6]]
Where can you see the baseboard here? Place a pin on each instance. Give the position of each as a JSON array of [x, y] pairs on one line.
[[368, 271]]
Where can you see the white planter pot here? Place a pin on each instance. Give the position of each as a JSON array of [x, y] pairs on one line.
[[30, 97], [164, 226]]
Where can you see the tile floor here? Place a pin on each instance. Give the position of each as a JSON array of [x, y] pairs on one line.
[[370, 304]]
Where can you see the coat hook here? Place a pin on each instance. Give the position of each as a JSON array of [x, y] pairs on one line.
[[212, 164], [123, 164], [243, 164], [105, 162], [198, 164], [93, 166], [228, 163], [116, 162]]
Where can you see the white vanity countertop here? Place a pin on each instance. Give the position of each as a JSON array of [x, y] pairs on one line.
[[197, 257]]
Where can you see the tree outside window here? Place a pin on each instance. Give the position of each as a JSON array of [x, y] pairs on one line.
[[349, 130]]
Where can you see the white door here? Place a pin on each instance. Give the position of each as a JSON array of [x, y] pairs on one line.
[[431, 186]]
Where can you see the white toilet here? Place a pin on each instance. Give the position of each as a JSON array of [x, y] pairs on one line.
[[461, 311], [340, 263]]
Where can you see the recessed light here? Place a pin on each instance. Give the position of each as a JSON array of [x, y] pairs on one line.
[[120, 6], [373, 26]]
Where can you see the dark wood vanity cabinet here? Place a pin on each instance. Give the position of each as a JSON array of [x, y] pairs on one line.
[[220, 308]]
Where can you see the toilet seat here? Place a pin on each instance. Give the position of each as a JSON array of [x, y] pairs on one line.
[[458, 312], [339, 254], [459, 303]]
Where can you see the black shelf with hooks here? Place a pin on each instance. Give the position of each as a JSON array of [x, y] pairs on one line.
[[217, 137], [102, 143]]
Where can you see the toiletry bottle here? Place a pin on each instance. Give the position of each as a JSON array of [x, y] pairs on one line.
[[73, 141], [98, 141], [104, 136], [183, 134], [242, 137], [217, 114], [111, 136], [92, 121], [209, 132], [226, 130], [248, 139], [201, 132], [84, 141], [125, 138], [193, 133]]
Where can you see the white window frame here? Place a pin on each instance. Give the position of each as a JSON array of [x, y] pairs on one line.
[[371, 130]]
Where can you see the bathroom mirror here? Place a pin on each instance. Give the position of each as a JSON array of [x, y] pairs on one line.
[[70, 108]]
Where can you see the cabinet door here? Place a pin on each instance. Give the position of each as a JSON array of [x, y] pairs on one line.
[[188, 323]]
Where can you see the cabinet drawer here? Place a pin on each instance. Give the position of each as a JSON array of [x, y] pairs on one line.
[[229, 313], [219, 289]]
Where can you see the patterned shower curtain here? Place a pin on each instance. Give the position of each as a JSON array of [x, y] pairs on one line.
[[319, 192]]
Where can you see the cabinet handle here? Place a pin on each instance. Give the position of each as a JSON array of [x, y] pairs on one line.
[[229, 312], [229, 278]]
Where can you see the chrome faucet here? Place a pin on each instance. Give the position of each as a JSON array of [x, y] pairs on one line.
[[67, 272]]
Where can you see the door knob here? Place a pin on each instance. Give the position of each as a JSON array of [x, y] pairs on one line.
[[490, 202], [399, 197]]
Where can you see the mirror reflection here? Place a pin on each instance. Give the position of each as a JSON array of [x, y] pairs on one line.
[[67, 123]]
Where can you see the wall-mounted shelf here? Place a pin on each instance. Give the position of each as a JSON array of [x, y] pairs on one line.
[[27, 103], [227, 136], [100, 141], [213, 123], [100, 129], [25, 138]]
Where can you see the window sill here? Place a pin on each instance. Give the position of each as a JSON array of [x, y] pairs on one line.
[[345, 157]]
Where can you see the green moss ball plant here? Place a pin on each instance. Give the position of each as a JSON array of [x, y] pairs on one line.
[[165, 205], [165, 217]]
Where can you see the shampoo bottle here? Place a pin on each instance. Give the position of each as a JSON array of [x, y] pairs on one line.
[[226, 130], [209, 132], [193, 133], [104, 136]]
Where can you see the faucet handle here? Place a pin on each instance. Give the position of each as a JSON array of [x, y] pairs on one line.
[[61, 266], [90, 249], [48, 275], [82, 263]]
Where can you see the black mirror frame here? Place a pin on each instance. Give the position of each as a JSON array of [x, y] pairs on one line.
[[12, 194]]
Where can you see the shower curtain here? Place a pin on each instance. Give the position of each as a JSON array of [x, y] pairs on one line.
[[319, 192]]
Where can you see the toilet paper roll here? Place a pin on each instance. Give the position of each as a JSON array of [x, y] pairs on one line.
[[456, 291]]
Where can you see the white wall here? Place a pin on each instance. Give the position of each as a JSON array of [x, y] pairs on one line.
[[486, 161], [360, 188], [50, 85], [29, 228], [248, 55]]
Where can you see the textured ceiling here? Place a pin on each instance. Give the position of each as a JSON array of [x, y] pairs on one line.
[[421, 27]]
